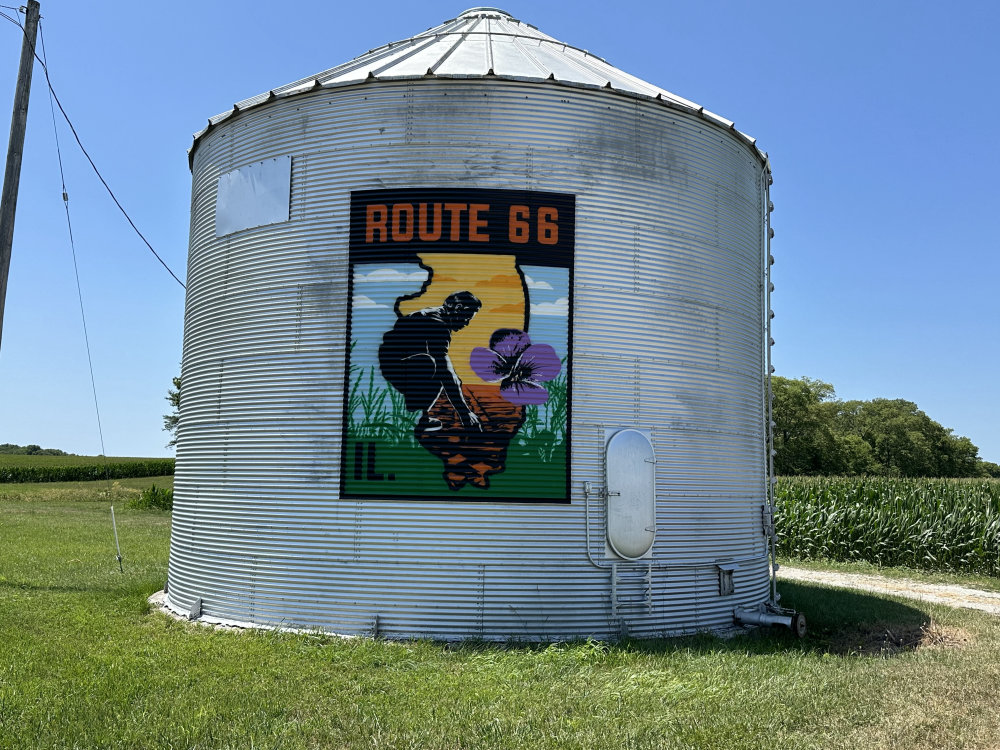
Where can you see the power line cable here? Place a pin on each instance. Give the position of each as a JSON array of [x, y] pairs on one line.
[[53, 95], [83, 315]]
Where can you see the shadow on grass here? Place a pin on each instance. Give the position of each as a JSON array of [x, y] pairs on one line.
[[840, 622]]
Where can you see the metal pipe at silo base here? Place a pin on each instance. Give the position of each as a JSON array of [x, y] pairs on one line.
[[766, 614]]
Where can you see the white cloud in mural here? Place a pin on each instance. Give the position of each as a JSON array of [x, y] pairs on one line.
[[361, 302], [390, 276], [560, 307], [532, 284]]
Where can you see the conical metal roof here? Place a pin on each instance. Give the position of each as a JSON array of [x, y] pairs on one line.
[[483, 43]]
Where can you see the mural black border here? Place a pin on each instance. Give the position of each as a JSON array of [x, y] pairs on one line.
[[562, 255]]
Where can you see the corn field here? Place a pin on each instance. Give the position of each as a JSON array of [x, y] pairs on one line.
[[80, 468], [932, 524]]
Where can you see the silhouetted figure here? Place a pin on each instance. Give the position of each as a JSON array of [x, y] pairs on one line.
[[414, 358]]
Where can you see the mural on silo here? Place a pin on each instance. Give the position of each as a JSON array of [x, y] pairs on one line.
[[459, 340]]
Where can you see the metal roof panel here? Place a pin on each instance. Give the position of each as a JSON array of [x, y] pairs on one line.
[[482, 42]]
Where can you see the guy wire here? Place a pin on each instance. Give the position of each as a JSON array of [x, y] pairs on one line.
[[83, 316], [114, 198]]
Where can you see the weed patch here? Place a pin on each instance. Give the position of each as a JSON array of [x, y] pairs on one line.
[[153, 498]]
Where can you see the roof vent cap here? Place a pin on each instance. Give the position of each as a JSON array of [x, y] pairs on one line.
[[485, 12]]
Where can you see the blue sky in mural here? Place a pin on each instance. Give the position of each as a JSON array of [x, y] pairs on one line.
[[879, 120], [547, 323], [376, 289]]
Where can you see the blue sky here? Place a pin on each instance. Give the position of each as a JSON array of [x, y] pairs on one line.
[[879, 119]]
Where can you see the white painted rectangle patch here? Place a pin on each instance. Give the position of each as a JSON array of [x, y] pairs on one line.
[[254, 196]]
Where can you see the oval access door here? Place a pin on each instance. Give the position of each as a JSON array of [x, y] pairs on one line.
[[630, 480]]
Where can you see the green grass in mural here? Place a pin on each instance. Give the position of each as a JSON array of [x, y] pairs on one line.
[[544, 429], [377, 412], [384, 458], [380, 468], [547, 474]]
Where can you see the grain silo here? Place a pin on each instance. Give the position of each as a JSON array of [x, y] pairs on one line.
[[475, 346]]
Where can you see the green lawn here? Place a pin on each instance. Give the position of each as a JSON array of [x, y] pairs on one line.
[[121, 490], [84, 664]]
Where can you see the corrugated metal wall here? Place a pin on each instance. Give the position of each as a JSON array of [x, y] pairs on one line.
[[668, 336]]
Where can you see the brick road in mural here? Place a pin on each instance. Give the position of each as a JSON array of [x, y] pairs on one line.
[[459, 345]]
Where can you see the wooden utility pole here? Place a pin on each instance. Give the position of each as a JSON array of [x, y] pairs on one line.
[[12, 174]]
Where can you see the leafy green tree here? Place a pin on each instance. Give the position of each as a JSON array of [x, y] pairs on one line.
[[11, 449], [906, 442], [962, 458], [171, 420], [815, 433], [803, 434], [854, 456]]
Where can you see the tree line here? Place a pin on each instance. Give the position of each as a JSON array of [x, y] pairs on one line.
[[10, 449], [816, 433]]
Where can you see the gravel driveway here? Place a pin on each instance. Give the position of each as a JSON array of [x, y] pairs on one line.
[[953, 596]]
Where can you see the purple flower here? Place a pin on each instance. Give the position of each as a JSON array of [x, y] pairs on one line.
[[518, 365]]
